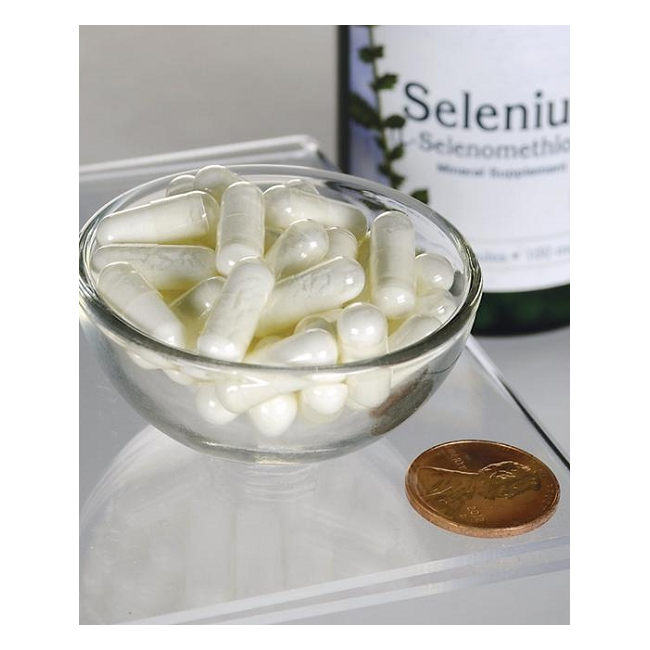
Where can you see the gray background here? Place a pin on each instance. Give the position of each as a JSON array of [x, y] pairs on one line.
[[157, 89]]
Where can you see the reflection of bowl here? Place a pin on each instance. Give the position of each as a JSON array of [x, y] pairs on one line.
[[167, 530], [165, 384]]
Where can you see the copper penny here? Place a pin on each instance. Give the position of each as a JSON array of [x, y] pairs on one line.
[[482, 488]]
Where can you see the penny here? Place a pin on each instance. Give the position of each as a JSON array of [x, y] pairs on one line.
[[482, 488]]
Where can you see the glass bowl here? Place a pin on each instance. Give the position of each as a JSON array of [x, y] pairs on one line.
[[171, 388]]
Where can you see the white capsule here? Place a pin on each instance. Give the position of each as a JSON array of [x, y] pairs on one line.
[[172, 219], [413, 329], [324, 286], [180, 185], [231, 323], [322, 403], [215, 179], [241, 225], [325, 320], [210, 408], [302, 184], [363, 254], [408, 370], [351, 404], [141, 362], [274, 417], [179, 377], [193, 307], [433, 272], [313, 347], [166, 267], [363, 333], [195, 303], [270, 237], [285, 205], [363, 257], [437, 303], [241, 393], [201, 373], [148, 360], [368, 389], [392, 264], [133, 297], [267, 340], [315, 322], [342, 243], [303, 244]]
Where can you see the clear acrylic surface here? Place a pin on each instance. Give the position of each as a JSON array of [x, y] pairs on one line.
[[169, 535], [101, 182]]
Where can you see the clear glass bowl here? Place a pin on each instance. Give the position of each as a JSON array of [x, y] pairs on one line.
[[162, 382]]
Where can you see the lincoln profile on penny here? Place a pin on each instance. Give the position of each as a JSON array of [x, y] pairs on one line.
[[447, 490]]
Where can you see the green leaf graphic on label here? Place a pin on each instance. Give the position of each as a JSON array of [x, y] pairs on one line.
[[396, 180], [362, 112], [369, 54], [388, 130], [385, 82], [381, 143], [374, 205], [394, 122], [421, 195], [384, 168], [396, 153]]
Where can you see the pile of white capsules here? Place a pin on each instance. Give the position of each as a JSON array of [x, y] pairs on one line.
[[284, 277]]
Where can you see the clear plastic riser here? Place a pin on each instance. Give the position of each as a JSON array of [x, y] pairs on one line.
[[99, 183], [169, 535]]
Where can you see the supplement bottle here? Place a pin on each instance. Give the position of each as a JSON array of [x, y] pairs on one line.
[[474, 121]]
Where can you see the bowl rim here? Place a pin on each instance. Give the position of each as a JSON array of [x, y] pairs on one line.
[[99, 311]]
